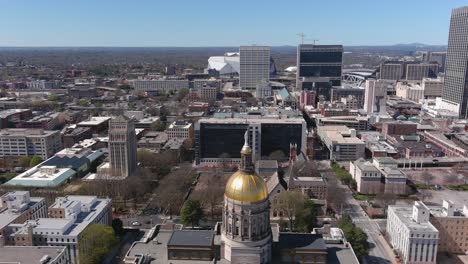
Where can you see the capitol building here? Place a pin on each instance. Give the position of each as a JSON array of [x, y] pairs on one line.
[[245, 234]]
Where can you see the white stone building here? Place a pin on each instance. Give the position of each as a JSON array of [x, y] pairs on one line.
[[412, 234]]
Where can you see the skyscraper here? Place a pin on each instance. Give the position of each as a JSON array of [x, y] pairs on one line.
[[254, 66], [122, 146], [319, 67], [455, 90]]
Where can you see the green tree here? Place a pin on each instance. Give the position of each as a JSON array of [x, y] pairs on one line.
[[191, 213], [83, 102], [95, 243], [355, 235], [306, 219], [158, 126], [182, 93], [291, 203], [53, 97], [24, 161], [117, 225], [35, 161]]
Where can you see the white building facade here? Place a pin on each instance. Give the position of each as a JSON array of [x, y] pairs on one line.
[[411, 233]]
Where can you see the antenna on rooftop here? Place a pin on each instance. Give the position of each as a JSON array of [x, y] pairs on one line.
[[313, 40], [302, 35]]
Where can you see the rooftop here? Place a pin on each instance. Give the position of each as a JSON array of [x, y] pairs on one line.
[[405, 214], [26, 132], [191, 238], [42, 176], [8, 112], [95, 120], [29, 254]]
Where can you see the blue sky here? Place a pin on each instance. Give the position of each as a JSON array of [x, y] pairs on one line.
[[186, 23]]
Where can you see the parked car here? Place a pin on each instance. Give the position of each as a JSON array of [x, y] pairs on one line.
[[136, 223]]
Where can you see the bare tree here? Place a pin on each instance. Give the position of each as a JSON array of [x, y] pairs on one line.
[[335, 195], [386, 199], [224, 161], [427, 178], [277, 155], [213, 195]]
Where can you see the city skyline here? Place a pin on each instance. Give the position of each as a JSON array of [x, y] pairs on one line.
[[217, 24]]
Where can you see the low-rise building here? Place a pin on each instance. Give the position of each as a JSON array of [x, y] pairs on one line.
[[47, 121], [341, 142], [75, 135], [97, 124], [9, 118], [199, 107], [43, 176], [399, 128], [368, 178], [180, 129], [359, 123], [68, 217], [17, 207], [153, 140], [380, 176], [410, 91]]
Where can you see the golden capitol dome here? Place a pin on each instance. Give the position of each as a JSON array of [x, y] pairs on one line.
[[245, 187]]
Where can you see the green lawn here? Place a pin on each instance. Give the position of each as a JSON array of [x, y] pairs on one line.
[[463, 187], [422, 186], [364, 197]]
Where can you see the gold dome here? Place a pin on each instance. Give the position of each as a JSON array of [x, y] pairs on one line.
[[246, 150], [245, 187]]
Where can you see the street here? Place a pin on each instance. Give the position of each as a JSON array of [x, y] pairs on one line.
[[380, 251], [145, 221]]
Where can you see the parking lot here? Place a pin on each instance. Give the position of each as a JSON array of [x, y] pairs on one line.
[[460, 198]]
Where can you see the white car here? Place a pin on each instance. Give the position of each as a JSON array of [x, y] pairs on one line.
[[136, 223]]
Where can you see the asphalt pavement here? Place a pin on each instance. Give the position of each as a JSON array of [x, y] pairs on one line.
[[380, 252]]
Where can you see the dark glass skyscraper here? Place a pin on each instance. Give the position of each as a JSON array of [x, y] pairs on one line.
[[455, 88], [319, 67]]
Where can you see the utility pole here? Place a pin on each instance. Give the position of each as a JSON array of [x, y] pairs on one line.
[[314, 40]]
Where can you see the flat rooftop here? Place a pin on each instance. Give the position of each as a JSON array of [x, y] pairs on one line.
[[8, 112], [258, 120], [26, 255], [95, 120], [191, 238], [26, 132], [42, 176], [405, 214]]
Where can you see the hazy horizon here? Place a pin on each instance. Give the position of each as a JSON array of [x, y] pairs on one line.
[[145, 23]]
